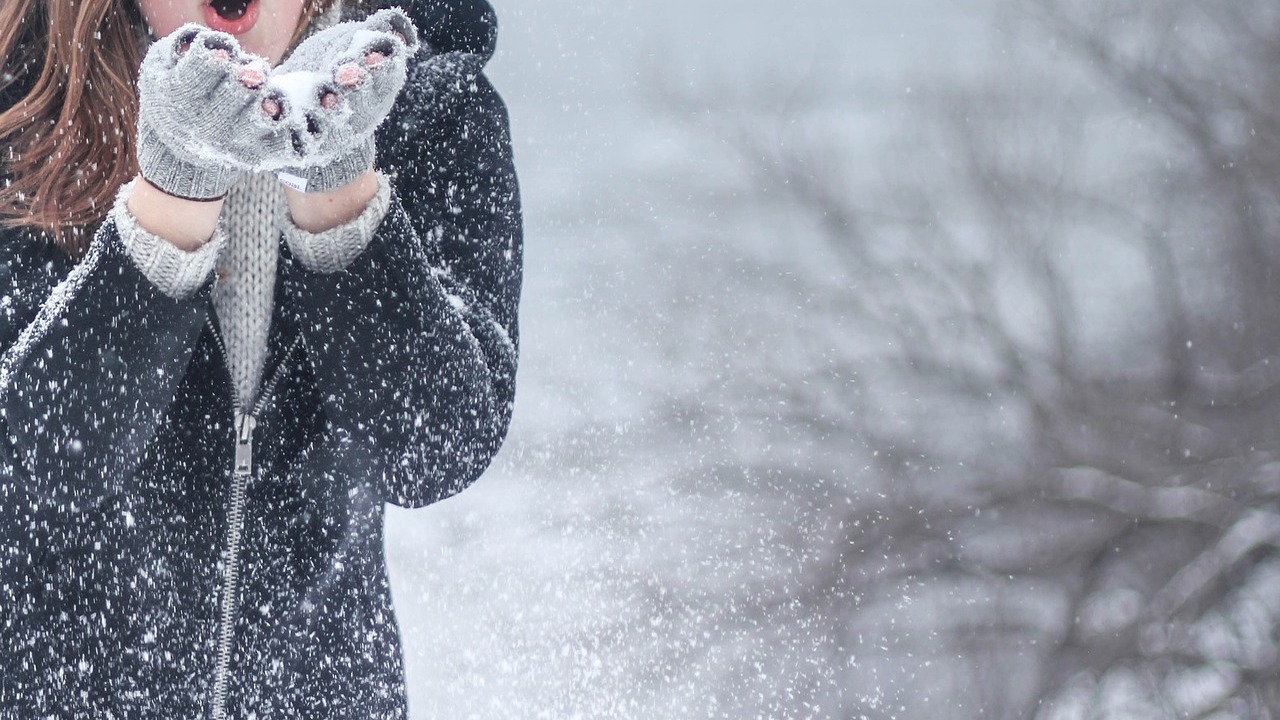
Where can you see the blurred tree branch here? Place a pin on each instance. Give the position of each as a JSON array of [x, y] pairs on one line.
[[1046, 336]]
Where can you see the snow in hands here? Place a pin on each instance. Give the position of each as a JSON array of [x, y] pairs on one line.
[[210, 110]]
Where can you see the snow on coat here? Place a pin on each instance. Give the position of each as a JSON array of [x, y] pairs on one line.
[[391, 381]]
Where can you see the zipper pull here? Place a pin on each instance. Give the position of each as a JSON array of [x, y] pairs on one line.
[[245, 423]]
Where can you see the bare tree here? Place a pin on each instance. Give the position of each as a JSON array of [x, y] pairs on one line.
[[1014, 390]]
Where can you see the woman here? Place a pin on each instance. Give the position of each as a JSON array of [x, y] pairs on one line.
[[211, 381]]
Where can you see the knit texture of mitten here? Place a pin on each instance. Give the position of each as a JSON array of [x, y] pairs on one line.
[[203, 114], [335, 89]]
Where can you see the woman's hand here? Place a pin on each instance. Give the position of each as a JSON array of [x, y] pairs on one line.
[[338, 86], [209, 111], [205, 114]]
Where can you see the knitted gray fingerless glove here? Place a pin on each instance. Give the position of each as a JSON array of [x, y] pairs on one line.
[[201, 116], [334, 90]]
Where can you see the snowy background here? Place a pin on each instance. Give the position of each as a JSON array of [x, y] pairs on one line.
[[879, 359]]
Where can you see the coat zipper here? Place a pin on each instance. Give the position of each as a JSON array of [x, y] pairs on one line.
[[245, 423]]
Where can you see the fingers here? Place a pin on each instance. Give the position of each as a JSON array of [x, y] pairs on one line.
[[394, 22], [205, 91], [385, 36], [293, 103], [172, 48], [361, 82], [273, 107], [200, 86], [361, 85], [202, 45], [349, 75], [198, 60], [373, 48], [251, 77]]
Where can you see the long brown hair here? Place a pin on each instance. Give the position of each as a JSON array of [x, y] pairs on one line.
[[70, 134]]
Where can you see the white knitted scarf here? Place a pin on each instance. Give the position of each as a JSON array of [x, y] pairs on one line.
[[242, 297]]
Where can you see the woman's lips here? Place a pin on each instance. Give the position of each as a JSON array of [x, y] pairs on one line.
[[239, 26]]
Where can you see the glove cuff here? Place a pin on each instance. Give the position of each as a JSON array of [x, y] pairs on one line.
[[340, 172], [179, 176]]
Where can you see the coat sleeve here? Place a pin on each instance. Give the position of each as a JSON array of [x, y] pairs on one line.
[[414, 343], [92, 356]]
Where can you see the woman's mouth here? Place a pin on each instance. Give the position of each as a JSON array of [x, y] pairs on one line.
[[234, 17]]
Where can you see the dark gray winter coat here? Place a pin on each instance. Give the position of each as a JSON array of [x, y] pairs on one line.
[[391, 381]]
